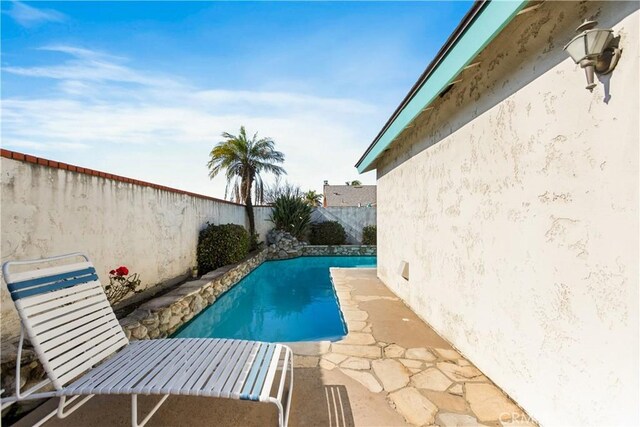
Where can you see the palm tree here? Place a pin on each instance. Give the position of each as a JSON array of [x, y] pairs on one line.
[[353, 183], [244, 160], [312, 198]]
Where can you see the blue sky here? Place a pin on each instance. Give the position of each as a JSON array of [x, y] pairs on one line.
[[144, 89]]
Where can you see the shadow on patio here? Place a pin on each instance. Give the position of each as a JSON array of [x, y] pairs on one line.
[[314, 404]]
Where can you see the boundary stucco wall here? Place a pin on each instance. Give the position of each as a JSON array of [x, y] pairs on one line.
[[352, 218], [515, 203], [263, 225], [48, 211]]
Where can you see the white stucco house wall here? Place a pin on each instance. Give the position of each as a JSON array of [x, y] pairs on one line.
[[512, 195]]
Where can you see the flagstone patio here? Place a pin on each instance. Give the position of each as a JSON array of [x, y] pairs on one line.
[[390, 370], [389, 351]]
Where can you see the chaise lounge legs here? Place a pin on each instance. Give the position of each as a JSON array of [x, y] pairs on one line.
[[290, 392], [283, 412], [134, 410], [64, 403]]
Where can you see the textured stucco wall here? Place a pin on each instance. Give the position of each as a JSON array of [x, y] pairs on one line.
[[515, 202], [48, 211], [352, 218], [263, 225]]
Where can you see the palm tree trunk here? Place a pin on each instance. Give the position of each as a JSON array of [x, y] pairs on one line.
[[252, 221], [248, 204]]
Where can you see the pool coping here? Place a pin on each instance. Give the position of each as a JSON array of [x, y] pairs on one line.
[[433, 383], [334, 293], [163, 316]]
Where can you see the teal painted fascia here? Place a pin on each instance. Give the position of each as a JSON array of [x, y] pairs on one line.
[[488, 24]]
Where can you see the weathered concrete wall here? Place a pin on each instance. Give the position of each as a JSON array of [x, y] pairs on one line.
[[353, 219], [48, 211], [515, 203], [263, 225]]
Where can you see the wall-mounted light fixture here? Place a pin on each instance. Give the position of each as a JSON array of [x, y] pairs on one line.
[[592, 49]]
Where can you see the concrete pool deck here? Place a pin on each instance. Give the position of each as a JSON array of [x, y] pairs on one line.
[[390, 370]]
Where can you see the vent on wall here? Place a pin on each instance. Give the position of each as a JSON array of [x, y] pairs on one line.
[[404, 270]]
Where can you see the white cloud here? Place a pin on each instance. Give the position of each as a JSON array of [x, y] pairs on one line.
[[29, 16], [32, 145], [162, 129], [89, 65], [282, 100], [80, 52]]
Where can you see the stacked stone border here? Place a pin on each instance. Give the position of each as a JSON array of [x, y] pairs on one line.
[[283, 245], [346, 250], [162, 316], [320, 250]]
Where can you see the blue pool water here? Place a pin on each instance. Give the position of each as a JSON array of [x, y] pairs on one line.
[[280, 301]]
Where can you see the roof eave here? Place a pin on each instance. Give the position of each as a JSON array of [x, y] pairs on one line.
[[480, 25]]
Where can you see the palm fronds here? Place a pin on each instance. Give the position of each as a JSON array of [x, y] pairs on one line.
[[244, 160]]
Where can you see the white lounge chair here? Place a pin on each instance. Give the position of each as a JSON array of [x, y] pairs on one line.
[[72, 327]]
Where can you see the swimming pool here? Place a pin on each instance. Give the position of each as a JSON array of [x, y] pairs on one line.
[[280, 301]]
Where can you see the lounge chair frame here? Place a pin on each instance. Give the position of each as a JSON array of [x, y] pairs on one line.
[[74, 332]]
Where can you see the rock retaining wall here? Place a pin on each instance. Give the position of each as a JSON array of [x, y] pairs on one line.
[[341, 250], [162, 316], [283, 245]]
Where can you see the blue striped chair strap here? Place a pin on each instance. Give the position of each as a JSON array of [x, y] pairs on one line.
[[248, 385], [262, 374], [31, 287]]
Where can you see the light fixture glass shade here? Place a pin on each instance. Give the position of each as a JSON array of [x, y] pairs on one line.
[[588, 44]]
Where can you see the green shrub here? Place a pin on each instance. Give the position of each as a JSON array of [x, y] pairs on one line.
[[369, 233], [327, 233], [220, 245], [291, 213]]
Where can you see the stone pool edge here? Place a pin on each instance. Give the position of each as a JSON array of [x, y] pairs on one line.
[[160, 317], [163, 316]]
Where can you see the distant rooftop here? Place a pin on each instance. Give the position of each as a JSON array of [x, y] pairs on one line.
[[349, 195]]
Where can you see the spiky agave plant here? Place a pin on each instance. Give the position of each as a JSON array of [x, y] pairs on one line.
[[292, 214]]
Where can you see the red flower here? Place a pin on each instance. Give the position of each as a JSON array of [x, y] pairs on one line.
[[112, 272], [122, 271]]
